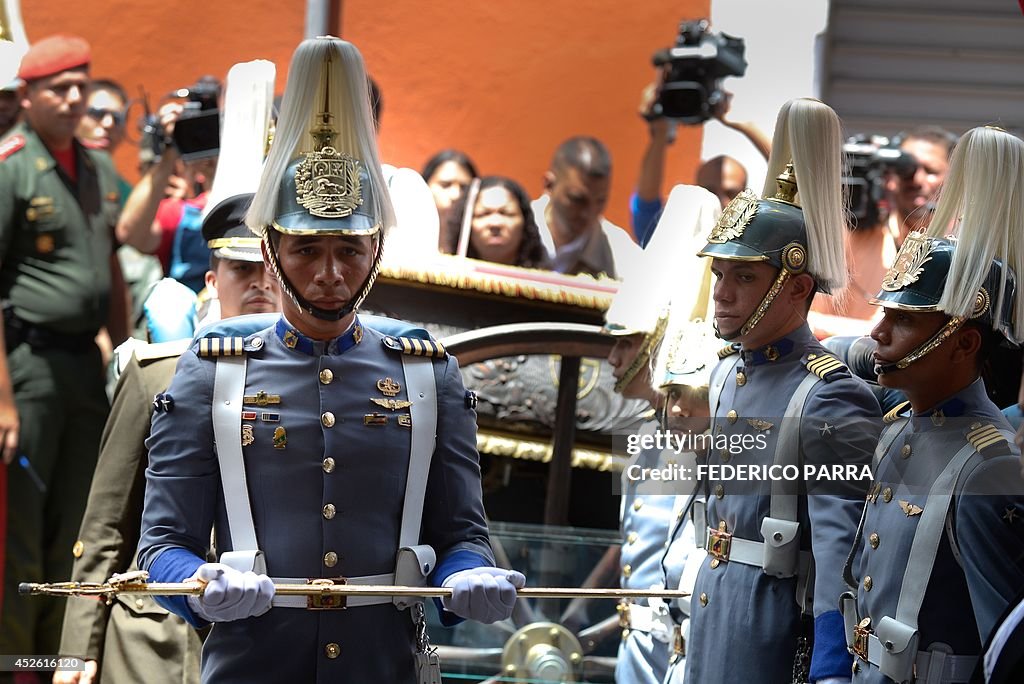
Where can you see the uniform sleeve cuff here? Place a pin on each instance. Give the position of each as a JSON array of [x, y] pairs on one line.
[[830, 658], [449, 565], [176, 565]]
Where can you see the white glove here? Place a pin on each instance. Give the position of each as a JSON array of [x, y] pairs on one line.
[[483, 594], [230, 594]]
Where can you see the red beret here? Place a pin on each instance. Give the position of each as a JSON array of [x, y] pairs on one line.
[[52, 55]]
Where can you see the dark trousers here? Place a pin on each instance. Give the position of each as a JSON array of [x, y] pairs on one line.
[[62, 408]]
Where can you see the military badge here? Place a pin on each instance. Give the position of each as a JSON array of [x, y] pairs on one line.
[[247, 436], [261, 398], [393, 404], [163, 403], [910, 509], [268, 417], [909, 264], [280, 438], [405, 420], [388, 387], [826, 429], [45, 243], [327, 183], [249, 415], [357, 334], [291, 338], [737, 214], [375, 419], [1010, 514], [760, 425]]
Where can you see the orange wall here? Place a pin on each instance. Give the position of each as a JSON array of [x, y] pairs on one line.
[[504, 81]]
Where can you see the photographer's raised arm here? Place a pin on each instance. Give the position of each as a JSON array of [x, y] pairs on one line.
[[749, 129], [646, 203], [138, 226]]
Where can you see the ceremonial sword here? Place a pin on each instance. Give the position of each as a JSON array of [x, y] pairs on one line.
[[137, 583]]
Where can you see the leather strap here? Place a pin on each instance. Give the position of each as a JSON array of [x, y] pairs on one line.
[[228, 389]]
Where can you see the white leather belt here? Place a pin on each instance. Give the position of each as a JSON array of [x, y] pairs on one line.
[[730, 549], [310, 602], [931, 667]]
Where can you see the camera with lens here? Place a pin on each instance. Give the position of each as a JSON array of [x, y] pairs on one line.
[[871, 160], [197, 130], [697, 64]]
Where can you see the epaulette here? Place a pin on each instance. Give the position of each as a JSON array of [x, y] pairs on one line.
[[416, 346], [728, 350], [221, 346], [11, 145], [988, 440], [894, 415], [161, 350], [826, 366]]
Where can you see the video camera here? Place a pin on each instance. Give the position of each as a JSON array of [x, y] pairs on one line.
[[197, 130], [871, 158], [697, 64]]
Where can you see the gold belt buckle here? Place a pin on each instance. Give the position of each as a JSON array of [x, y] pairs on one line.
[[326, 601], [719, 544], [678, 642], [623, 610], [860, 639]]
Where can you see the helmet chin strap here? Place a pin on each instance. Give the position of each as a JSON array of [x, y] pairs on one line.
[[933, 343], [302, 304], [761, 310], [643, 355]]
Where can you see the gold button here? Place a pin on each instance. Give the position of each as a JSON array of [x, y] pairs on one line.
[[330, 559], [887, 494], [638, 504], [732, 415], [332, 650], [741, 378], [326, 376], [725, 455], [327, 419], [329, 511], [868, 583], [627, 570], [631, 538], [78, 549], [328, 465], [905, 451], [719, 491], [873, 539], [140, 604], [715, 563], [703, 599]]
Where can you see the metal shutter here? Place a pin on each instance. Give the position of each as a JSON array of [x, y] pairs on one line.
[[891, 65]]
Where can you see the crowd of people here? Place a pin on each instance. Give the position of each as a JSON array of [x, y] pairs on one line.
[[211, 413]]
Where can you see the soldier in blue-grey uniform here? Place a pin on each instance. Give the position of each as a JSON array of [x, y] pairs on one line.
[[320, 449], [683, 372], [940, 549], [764, 603], [637, 319]]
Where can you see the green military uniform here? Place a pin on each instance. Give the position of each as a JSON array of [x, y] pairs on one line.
[[133, 639], [56, 238]]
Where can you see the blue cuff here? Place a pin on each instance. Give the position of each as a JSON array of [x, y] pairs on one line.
[[176, 565], [644, 214], [830, 658], [449, 565]]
